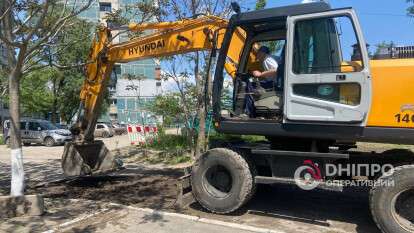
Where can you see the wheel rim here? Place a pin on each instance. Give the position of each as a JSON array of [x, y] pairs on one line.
[[217, 181], [402, 209], [49, 142]]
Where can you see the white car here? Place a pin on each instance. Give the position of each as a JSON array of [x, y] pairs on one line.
[[103, 130]]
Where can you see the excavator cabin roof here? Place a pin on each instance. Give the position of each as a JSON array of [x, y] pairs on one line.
[[277, 13]]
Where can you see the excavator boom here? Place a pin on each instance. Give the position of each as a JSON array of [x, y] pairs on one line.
[[85, 156]]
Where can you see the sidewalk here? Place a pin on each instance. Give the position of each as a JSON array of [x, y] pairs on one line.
[[90, 216]]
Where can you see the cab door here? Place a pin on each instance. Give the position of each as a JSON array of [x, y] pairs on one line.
[[327, 78]]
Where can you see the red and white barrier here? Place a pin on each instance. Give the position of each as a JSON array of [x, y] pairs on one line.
[[136, 134], [140, 135]]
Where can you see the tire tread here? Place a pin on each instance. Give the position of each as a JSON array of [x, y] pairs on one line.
[[249, 173], [375, 189]]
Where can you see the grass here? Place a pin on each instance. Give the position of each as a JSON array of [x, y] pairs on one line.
[[1, 140], [170, 142], [168, 158], [172, 149], [175, 149], [232, 137]]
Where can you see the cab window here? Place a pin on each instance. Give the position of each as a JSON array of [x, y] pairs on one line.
[[326, 45]]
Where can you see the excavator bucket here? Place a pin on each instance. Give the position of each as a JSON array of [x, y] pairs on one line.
[[87, 159]]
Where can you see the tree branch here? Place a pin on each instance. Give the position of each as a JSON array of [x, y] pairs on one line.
[[38, 23], [6, 12]]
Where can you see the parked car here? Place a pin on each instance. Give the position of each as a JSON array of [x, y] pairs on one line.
[[119, 129], [61, 126], [40, 132], [103, 130]]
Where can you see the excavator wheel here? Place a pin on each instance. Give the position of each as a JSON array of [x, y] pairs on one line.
[[392, 201], [222, 180], [87, 159]]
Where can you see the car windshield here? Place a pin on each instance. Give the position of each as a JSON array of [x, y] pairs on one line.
[[47, 125]]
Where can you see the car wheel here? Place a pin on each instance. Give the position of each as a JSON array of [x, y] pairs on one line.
[[26, 143], [105, 135], [49, 142], [392, 201], [222, 180]]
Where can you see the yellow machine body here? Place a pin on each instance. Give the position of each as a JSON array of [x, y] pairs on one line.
[[392, 103]]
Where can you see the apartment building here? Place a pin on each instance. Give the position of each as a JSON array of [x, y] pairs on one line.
[[133, 85]]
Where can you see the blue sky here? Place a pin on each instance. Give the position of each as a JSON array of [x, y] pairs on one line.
[[381, 20]]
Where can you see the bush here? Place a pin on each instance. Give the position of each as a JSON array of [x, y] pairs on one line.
[[169, 142], [235, 138], [173, 149], [1, 140]]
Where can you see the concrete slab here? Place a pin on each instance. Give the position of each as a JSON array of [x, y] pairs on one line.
[[30, 205], [76, 215], [120, 218]]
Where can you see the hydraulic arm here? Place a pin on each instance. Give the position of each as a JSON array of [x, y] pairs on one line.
[[85, 156]]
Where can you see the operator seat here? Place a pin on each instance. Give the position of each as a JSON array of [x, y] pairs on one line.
[[268, 99]]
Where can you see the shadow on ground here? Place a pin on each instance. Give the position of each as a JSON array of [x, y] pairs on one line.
[[280, 206]]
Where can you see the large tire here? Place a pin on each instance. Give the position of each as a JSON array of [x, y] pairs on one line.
[[222, 180], [392, 206]]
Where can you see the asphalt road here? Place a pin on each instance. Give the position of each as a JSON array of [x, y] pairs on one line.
[[281, 208], [40, 154]]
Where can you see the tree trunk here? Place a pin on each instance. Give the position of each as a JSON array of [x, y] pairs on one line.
[[53, 117], [201, 113], [17, 170], [15, 64]]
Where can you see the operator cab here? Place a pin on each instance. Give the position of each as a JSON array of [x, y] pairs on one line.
[[322, 74]]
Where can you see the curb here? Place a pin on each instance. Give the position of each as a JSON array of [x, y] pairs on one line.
[[76, 220], [163, 213], [202, 220]]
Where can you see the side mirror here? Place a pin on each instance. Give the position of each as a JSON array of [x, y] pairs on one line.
[[39, 129]]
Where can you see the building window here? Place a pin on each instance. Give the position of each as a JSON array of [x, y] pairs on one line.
[[105, 6], [120, 104]]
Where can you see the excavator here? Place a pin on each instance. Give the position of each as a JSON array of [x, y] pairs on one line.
[[326, 95], [84, 155]]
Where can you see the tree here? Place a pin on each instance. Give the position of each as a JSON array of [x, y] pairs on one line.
[[72, 47], [168, 107], [410, 9], [36, 93], [172, 10], [187, 97], [197, 61], [28, 29], [383, 45], [260, 4]]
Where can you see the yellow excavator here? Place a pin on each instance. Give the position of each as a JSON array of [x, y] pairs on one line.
[[84, 155], [326, 94]]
